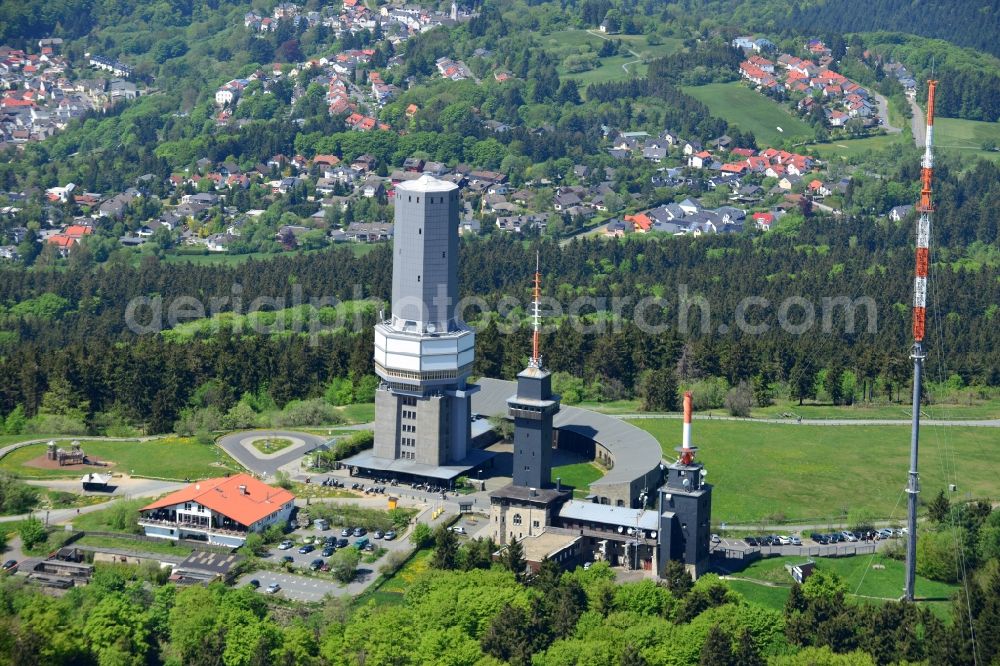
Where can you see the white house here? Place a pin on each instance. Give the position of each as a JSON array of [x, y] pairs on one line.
[[220, 511]]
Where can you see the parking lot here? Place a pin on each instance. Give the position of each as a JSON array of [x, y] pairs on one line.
[[313, 586], [293, 586], [785, 545]]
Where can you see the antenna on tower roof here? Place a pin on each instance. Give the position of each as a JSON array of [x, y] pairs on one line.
[[536, 356]]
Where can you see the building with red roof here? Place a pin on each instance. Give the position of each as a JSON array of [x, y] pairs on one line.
[[642, 222], [763, 220], [220, 511]]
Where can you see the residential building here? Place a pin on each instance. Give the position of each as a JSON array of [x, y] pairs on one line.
[[220, 511]]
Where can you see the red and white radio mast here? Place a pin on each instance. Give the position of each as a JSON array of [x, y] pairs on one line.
[[925, 208]]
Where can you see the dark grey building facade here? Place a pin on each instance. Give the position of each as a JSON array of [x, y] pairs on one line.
[[532, 409], [423, 352], [685, 517]]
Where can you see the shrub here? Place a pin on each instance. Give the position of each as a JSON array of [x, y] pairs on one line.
[[738, 400], [307, 412]]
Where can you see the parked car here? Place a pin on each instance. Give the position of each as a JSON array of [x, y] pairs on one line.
[[10, 566], [285, 545], [288, 559], [308, 539], [273, 588], [308, 548], [885, 533], [316, 564], [328, 551], [325, 567], [361, 543], [796, 541], [254, 583], [751, 541], [784, 540], [359, 531], [378, 534], [849, 536], [343, 543], [390, 535], [346, 532], [716, 539], [458, 529]]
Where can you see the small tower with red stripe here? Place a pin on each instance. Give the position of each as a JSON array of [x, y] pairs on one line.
[[686, 505]]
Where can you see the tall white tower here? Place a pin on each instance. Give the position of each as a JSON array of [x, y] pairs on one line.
[[454, 10], [423, 353]]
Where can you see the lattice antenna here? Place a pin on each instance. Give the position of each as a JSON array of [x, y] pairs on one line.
[[925, 208], [536, 317]]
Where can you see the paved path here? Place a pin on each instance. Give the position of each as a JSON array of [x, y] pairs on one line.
[[237, 445], [918, 122], [45, 440], [984, 423], [883, 113]]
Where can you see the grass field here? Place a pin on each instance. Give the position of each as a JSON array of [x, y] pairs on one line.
[[220, 258], [966, 136], [579, 476], [132, 545], [817, 474], [749, 110], [391, 591], [174, 458], [568, 42], [864, 576], [358, 413], [846, 149], [271, 444], [14, 439]]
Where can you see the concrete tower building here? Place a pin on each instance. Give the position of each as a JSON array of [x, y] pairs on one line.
[[532, 409], [423, 353], [686, 506]]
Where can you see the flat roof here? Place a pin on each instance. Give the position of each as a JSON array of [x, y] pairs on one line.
[[546, 544], [610, 515], [368, 460], [636, 452], [524, 494], [215, 563]]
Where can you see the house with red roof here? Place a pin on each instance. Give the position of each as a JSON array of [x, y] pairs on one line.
[[220, 511], [699, 160], [763, 220], [642, 222]]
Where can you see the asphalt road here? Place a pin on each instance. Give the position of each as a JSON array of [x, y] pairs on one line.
[[918, 122], [984, 423], [883, 113], [251, 459]]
